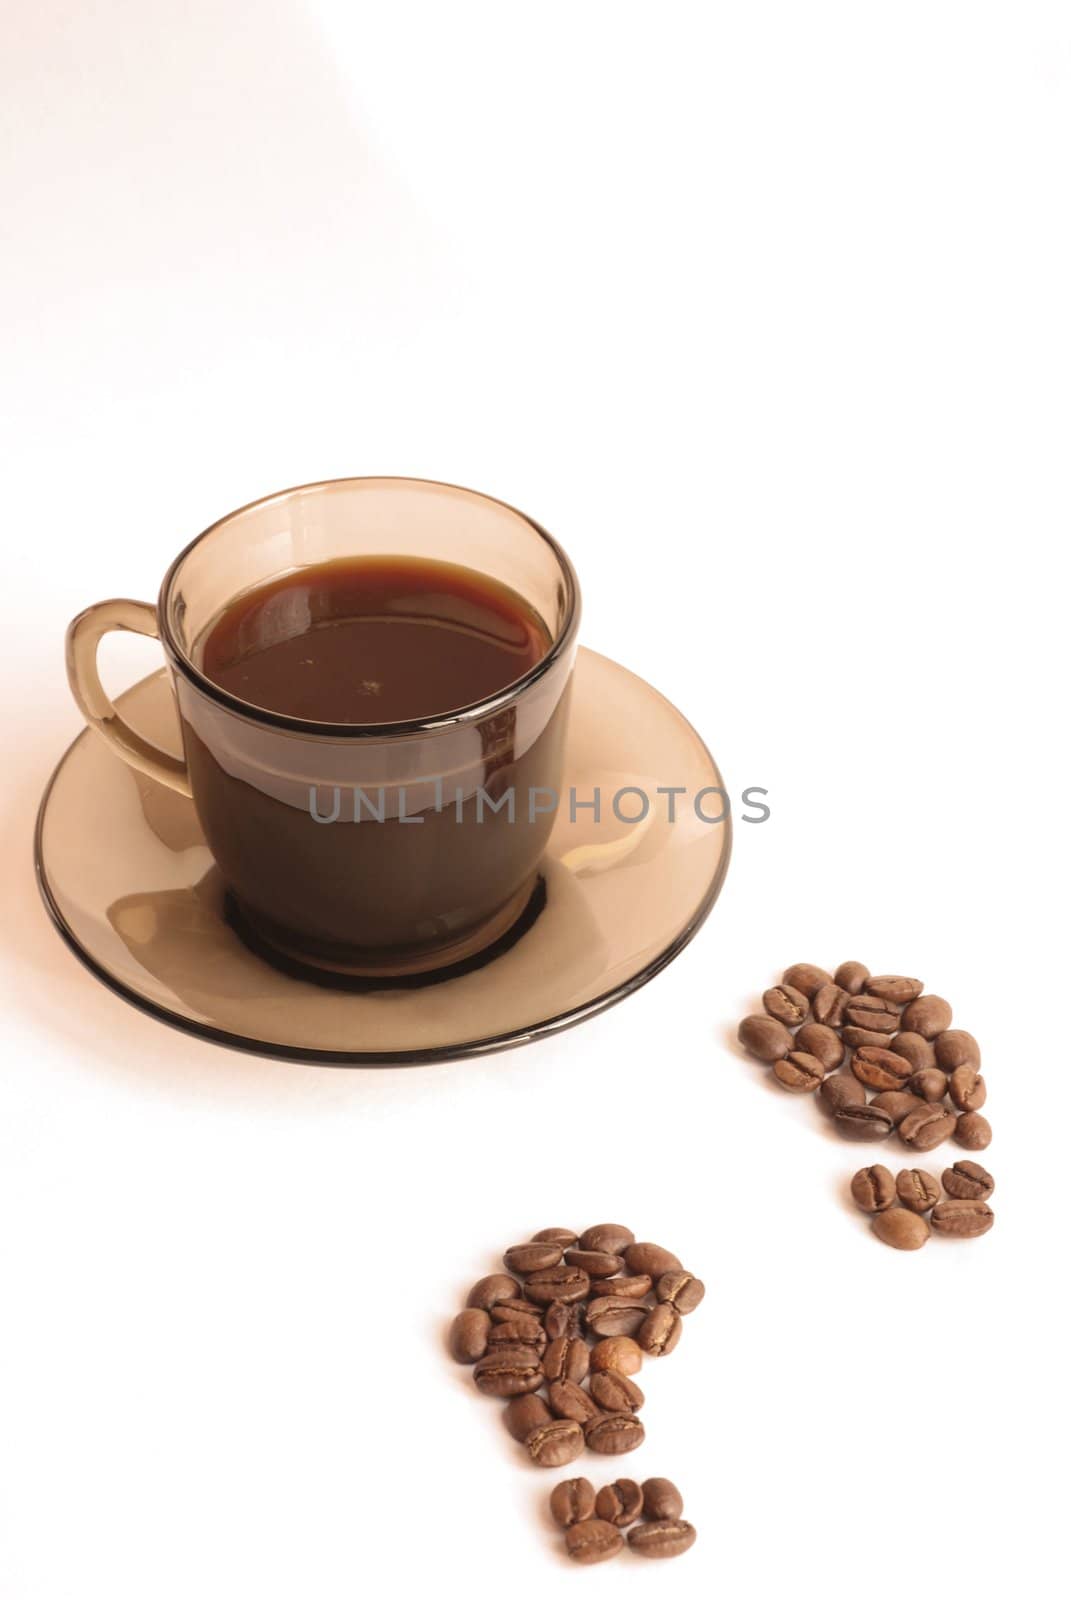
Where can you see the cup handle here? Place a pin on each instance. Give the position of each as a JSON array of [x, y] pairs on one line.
[[83, 638]]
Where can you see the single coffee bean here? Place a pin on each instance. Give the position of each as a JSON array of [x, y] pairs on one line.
[[929, 1084], [562, 1321], [962, 1219], [870, 1011], [661, 1331], [807, 979], [898, 990], [764, 1037], [662, 1500], [617, 1354], [620, 1502], [681, 1290], [650, 1259], [592, 1541], [821, 1042], [917, 1190], [615, 1433], [524, 1414], [556, 1443], [927, 1127], [615, 1393], [596, 1263], [510, 1310], [880, 1069], [828, 1005], [570, 1400], [490, 1290], [904, 1230], [563, 1236], [799, 1073], [509, 1370], [973, 1131], [659, 1540], [611, 1236], [610, 1315], [626, 1288], [873, 1188], [957, 1048], [572, 1501], [928, 1015], [966, 1180], [897, 1102], [840, 1090], [787, 1005], [916, 1051], [851, 976], [859, 1038], [557, 1283], [528, 1331], [566, 1358], [468, 1335], [865, 1124], [966, 1086], [526, 1258]]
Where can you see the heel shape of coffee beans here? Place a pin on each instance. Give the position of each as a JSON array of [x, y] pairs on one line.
[[881, 1057], [653, 1513]]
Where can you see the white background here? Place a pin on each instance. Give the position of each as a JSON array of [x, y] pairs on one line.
[[763, 309]]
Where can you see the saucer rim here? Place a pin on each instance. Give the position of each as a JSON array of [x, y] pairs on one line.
[[429, 1056]]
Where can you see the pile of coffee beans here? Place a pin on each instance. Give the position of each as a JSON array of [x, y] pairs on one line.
[[881, 1055], [898, 1206], [593, 1522], [561, 1334]]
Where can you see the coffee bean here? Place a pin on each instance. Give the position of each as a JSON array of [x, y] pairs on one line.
[[566, 1358], [562, 1321], [615, 1393], [929, 1084], [966, 1180], [563, 1283], [611, 1236], [490, 1290], [661, 1331], [973, 1131], [851, 976], [662, 1500], [807, 979], [468, 1335], [897, 1102], [626, 1288], [611, 1314], [615, 1433], [873, 1188], [651, 1259], [828, 1005], [528, 1331], [572, 1501], [904, 1230], [765, 1037], [526, 1258], [967, 1088], [617, 1354], [916, 1051], [524, 1414], [898, 990], [620, 1502], [556, 1443], [841, 1090], [659, 1540], [821, 1042], [865, 1124], [917, 1190], [510, 1310], [870, 1011], [563, 1236], [681, 1290], [880, 1069], [799, 1073], [927, 1127], [957, 1048], [569, 1400], [786, 1004], [928, 1015], [592, 1541], [859, 1038], [962, 1219], [596, 1263], [512, 1369]]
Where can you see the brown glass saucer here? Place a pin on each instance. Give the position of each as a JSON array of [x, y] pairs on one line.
[[129, 883]]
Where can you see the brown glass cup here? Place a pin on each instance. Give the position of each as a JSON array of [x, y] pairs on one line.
[[370, 849]]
